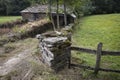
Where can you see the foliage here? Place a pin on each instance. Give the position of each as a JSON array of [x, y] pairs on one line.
[[106, 6], [12, 7], [85, 7]]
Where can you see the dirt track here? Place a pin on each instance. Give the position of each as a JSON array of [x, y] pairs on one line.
[[20, 60]]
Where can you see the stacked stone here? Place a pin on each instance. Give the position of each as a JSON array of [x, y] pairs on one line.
[[55, 51]]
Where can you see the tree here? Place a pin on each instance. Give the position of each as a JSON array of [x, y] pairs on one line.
[[58, 24], [12, 7], [50, 14], [2, 7], [106, 6], [65, 14]]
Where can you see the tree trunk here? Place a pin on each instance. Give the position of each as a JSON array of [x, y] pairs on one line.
[[49, 9], [50, 14], [58, 24], [65, 14]]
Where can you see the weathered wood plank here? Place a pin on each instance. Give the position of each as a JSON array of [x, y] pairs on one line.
[[91, 51], [91, 68], [98, 58], [109, 70], [69, 56], [111, 53], [84, 50]]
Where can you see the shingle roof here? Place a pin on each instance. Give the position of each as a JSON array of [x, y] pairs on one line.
[[43, 9]]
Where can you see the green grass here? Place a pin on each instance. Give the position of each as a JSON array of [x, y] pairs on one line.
[[4, 19], [99, 28]]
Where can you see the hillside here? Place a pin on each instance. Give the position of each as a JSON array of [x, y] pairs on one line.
[[98, 28], [94, 29], [23, 57]]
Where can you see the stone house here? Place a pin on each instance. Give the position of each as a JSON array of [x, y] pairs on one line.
[[38, 12]]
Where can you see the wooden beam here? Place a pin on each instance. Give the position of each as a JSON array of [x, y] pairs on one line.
[[98, 58], [91, 51], [91, 68], [113, 53]]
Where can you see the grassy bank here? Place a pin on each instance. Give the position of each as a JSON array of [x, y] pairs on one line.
[[27, 30], [94, 29], [4, 19]]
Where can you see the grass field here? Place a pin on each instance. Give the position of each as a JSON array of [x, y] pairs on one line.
[[94, 29], [4, 19]]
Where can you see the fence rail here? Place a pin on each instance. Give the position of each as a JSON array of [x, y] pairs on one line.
[[99, 53], [91, 51], [92, 68]]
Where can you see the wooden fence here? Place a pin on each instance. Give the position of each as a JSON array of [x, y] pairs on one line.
[[99, 53]]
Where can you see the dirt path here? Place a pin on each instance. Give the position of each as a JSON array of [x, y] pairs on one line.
[[9, 65], [20, 59]]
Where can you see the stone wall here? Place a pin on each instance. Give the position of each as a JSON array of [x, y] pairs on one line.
[[54, 51]]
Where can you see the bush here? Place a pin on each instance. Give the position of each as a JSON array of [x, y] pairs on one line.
[[106, 6], [86, 8]]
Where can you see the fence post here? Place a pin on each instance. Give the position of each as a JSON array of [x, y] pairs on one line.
[[98, 58], [69, 57]]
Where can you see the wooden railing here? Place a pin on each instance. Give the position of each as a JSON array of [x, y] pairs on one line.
[[99, 53]]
